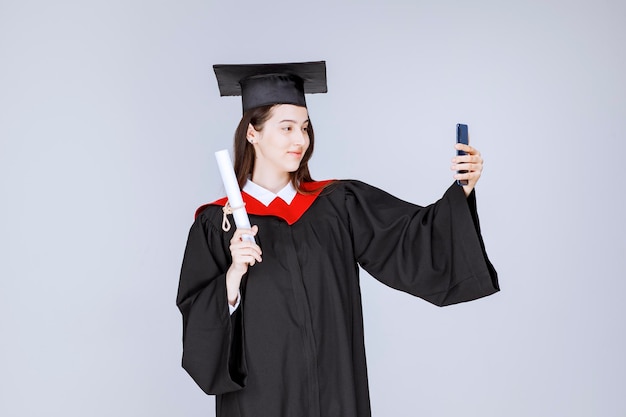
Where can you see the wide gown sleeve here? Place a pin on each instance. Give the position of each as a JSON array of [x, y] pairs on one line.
[[434, 252], [212, 338]]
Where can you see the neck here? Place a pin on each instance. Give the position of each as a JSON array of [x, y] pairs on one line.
[[273, 183]]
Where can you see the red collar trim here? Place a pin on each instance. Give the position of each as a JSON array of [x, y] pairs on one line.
[[290, 213]]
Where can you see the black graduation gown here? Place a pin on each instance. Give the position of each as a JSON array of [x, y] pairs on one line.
[[295, 346]]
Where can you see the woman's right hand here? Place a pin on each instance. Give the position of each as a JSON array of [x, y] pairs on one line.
[[245, 254]]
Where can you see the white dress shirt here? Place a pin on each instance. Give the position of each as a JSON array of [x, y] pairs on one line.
[[287, 194]]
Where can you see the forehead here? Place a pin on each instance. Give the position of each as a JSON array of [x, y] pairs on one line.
[[289, 112]]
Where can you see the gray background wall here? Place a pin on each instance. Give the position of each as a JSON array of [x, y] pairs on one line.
[[109, 117]]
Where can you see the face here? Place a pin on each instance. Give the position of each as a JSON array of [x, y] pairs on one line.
[[282, 141]]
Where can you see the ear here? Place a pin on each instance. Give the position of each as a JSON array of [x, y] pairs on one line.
[[252, 134]]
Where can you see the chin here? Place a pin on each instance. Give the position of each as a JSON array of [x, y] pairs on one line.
[[293, 169]]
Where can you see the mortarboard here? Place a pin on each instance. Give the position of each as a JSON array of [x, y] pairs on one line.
[[264, 84]]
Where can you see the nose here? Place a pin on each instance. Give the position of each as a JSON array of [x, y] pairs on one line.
[[300, 138]]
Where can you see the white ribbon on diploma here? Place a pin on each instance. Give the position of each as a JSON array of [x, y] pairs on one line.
[[233, 192]]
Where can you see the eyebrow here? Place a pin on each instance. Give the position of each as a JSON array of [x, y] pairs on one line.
[[293, 121]]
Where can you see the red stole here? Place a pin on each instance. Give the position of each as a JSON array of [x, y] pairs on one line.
[[288, 212]]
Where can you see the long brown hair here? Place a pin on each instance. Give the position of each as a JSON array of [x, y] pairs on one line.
[[244, 151]]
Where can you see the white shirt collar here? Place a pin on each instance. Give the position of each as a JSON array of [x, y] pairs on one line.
[[287, 194]]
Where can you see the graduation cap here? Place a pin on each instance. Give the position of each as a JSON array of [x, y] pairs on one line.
[[264, 84]]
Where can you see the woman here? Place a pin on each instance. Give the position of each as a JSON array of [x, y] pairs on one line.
[[274, 327]]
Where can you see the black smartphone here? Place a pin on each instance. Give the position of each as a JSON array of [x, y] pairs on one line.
[[461, 137]]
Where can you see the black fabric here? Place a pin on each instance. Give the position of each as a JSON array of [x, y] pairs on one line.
[[296, 346], [272, 89]]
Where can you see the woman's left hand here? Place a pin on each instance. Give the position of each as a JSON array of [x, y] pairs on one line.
[[472, 163]]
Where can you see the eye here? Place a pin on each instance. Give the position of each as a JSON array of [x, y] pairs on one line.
[[287, 128]]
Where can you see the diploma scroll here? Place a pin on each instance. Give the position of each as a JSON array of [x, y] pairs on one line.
[[233, 192]]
